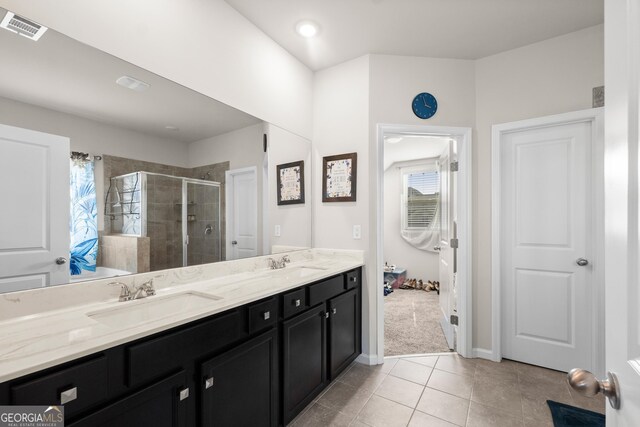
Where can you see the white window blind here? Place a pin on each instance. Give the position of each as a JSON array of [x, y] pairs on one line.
[[420, 201]]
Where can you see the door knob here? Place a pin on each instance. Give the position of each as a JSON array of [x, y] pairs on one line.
[[582, 262], [585, 383], [234, 242], [61, 260]]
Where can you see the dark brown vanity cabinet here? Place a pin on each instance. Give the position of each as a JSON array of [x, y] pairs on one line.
[[320, 343], [240, 387], [162, 404], [258, 364]]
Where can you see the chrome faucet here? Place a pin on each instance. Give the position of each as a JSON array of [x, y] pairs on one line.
[[282, 263], [146, 288], [126, 295]]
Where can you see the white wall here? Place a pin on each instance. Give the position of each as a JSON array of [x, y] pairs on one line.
[[550, 77], [204, 45], [95, 138], [394, 81], [294, 220], [341, 125], [242, 148]]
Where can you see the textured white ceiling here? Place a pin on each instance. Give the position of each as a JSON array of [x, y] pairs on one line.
[[463, 29], [62, 74]]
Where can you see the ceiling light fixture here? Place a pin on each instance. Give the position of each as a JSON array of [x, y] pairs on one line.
[[307, 29], [171, 127], [133, 84]]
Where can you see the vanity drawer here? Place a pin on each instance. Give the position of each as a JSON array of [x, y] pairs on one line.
[[77, 387], [159, 356], [294, 302], [263, 315], [320, 292], [352, 279]]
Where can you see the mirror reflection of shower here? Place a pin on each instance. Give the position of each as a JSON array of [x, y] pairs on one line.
[[179, 217]]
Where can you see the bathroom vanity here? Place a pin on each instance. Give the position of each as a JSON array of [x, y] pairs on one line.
[[254, 363]]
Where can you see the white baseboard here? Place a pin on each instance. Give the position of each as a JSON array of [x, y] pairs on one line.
[[367, 359], [483, 353]]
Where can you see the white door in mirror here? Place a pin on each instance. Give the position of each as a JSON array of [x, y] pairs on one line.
[[34, 228], [242, 213]]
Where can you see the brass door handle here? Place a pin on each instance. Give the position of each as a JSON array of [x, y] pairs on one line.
[[585, 383]]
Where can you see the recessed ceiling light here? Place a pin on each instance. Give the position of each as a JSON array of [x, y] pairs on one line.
[[307, 29], [170, 127], [133, 83]]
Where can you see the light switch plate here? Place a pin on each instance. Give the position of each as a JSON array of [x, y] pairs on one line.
[[357, 232], [276, 231]]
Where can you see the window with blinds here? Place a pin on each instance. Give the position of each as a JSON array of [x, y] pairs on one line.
[[420, 201]]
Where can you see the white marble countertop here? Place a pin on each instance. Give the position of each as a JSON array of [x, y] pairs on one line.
[[46, 327]]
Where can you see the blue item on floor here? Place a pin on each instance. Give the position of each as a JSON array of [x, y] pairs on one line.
[[570, 416], [387, 288]]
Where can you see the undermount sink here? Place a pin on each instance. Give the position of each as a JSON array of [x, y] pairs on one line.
[[152, 308]]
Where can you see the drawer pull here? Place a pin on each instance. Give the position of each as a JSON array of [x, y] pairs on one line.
[[68, 395], [184, 393], [334, 310], [266, 315], [353, 279], [297, 303], [208, 383]]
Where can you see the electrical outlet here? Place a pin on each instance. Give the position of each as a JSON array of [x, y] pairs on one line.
[[357, 232], [276, 231]]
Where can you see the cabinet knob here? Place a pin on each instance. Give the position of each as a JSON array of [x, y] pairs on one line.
[[353, 278], [69, 395], [266, 315], [208, 383], [334, 311], [297, 303], [184, 393], [326, 315]]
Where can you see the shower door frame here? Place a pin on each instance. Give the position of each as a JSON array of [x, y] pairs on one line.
[[185, 201]]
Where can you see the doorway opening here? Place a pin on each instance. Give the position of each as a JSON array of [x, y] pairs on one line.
[[424, 240]]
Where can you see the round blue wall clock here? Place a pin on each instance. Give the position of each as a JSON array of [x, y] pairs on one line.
[[424, 105]]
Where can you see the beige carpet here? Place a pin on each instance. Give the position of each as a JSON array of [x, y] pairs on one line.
[[412, 323]]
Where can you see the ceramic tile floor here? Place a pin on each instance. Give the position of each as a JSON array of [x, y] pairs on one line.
[[439, 391]]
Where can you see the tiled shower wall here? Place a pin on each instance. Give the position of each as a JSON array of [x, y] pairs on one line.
[[164, 208]]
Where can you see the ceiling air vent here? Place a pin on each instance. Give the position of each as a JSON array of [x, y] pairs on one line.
[[24, 27]]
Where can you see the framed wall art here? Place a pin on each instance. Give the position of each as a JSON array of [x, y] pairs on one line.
[[290, 177], [340, 176]]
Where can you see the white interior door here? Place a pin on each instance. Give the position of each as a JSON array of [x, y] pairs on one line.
[[34, 218], [546, 236], [622, 218], [446, 258], [242, 213]]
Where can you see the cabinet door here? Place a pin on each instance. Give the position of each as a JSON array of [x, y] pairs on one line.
[[344, 331], [240, 387], [159, 405], [304, 359]]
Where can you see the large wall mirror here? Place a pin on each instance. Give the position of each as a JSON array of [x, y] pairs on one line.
[[108, 169]]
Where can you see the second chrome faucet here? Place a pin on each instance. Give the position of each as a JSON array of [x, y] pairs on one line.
[[282, 263], [144, 290]]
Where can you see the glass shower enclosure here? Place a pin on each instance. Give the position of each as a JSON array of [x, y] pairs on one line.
[[180, 216]]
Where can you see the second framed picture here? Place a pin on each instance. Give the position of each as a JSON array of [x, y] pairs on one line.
[[290, 183], [340, 178]]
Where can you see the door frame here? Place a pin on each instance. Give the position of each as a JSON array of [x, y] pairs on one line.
[[595, 116], [465, 216], [228, 193]]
